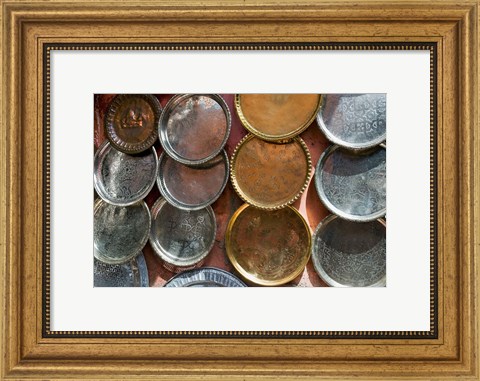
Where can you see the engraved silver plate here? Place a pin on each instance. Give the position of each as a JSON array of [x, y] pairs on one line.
[[119, 232], [194, 128], [355, 121], [192, 188], [123, 179], [205, 277], [182, 238], [350, 254], [131, 274], [353, 185]]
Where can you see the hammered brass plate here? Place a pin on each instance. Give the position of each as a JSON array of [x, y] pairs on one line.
[[277, 117], [270, 175], [268, 248]]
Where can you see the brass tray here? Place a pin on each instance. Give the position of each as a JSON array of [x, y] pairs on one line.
[[270, 175], [277, 117], [268, 248]]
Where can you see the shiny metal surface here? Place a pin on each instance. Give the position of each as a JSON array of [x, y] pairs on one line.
[[119, 232], [205, 277], [353, 185], [123, 179], [192, 188], [355, 121], [194, 128], [131, 122], [268, 248], [270, 175], [276, 117], [350, 254], [181, 238], [130, 274]]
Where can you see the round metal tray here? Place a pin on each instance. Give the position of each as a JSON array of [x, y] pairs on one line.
[[123, 179], [192, 188], [350, 254], [351, 184], [277, 117], [194, 128], [131, 122], [268, 248], [181, 238], [270, 175], [119, 232], [131, 274], [354, 121], [205, 277]]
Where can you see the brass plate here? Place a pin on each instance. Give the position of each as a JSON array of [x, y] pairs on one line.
[[277, 117], [270, 175], [268, 248], [131, 122]]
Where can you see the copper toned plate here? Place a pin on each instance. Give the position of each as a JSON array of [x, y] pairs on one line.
[[194, 128], [355, 121], [270, 175], [131, 122], [350, 254], [277, 116], [268, 248]]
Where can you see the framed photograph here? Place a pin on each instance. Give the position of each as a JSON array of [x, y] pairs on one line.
[[316, 160]]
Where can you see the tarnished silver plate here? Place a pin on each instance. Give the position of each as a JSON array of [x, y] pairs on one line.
[[350, 254], [123, 179], [131, 274], [181, 238], [194, 128], [353, 185], [119, 232], [192, 188], [205, 277], [355, 121]]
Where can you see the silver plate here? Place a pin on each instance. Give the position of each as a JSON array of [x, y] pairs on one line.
[[355, 121], [205, 277], [194, 128], [192, 188], [353, 185], [131, 274], [350, 254], [119, 232], [123, 179], [182, 238]]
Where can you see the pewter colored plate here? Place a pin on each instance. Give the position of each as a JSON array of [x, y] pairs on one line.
[[355, 121], [353, 185], [119, 232], [194, 128], [192, 188], [131, 274], [205, 277], [350, 254], [182, 237], [123, 179]]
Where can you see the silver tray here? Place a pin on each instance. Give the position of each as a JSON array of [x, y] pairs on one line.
[[123, 179], [205, 277], [354, 121], [194, 128], [131, 274], [119, 232], [351, 184], [192, 188], [181, 238], [350, 254]]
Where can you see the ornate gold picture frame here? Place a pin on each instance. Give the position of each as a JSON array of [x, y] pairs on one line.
[[32, 29]]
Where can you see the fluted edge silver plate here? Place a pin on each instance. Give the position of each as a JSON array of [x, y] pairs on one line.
[[205, 277]]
